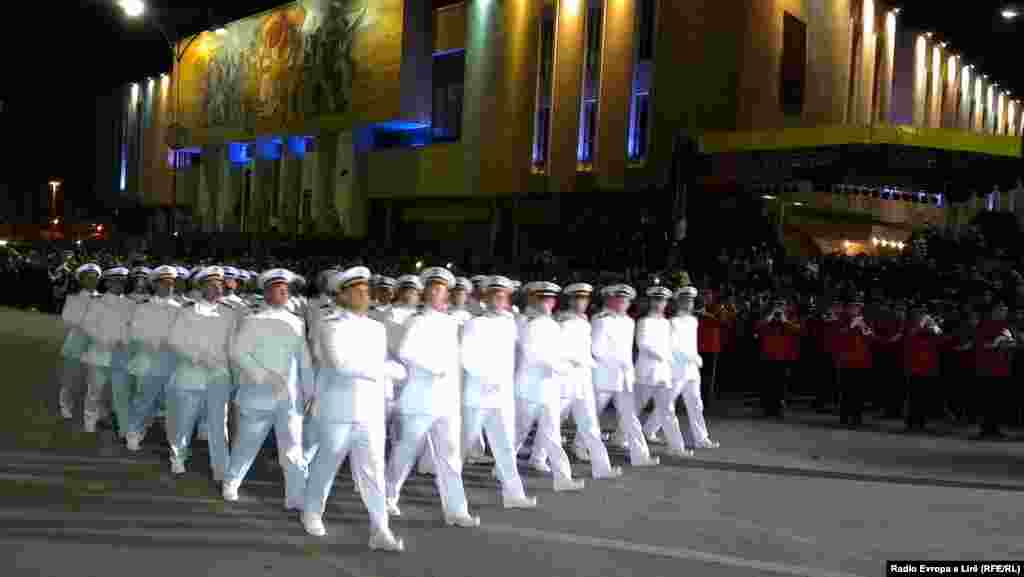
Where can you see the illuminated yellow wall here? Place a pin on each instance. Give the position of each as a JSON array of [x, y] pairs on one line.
[[568, 78], [323, 62], [616, 92]]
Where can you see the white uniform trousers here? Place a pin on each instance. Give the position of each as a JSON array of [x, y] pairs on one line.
[[184, 407], [364, 446], [146, 404], [122, 385], [664, 416], [97, 394], [588, 435], [625, 408], [310, 438], [218, 399], [72, 382], [253, 426], [498, 425], [644, 394], [697, 433], [442, 433], [548, 436]]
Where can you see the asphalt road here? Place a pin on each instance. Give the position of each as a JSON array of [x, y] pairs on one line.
[[796, 498]]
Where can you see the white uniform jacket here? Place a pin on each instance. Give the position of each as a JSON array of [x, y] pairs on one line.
[[148, 332], [106, 323], [272, 359], [73, 314], [612, 336], [315, 313], [576, 338], [395, 320], [544, 364], [686, 362], [351, 382], [430, 352], [235, 302], [488, 359], [461, 315], [654, 341], [200, 338]]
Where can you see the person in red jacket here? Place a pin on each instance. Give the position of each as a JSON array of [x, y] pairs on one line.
[[889, 370], [993, 348], [709, 344], [777, 334], [829, 336], [855, 362], [922, 343]]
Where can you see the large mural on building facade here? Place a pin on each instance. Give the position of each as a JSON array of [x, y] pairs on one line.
[[273, 70]]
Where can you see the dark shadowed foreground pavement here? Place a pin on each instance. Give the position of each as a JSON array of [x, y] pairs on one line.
[[797, 498]]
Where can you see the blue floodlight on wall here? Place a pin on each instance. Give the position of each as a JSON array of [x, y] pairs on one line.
[[269, 148], [240, 152], [297, 146]]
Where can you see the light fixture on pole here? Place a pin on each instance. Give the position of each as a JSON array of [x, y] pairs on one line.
[[1010, 14], [54, 185], [177, 135]]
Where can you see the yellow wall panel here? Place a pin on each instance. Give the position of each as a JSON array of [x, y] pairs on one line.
[[568, 78], [616, 91], [450, 27]]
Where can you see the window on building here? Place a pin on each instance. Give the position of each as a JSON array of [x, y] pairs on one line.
[[449, 81], [794, 65], [645, 32], [542, 121], [643, 68], [591, 83]]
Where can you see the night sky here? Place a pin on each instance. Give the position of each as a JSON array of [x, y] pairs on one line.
[[87, 47]]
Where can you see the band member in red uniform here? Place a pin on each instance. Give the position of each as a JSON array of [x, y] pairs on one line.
[[830, 324], [778, 334], [709, 343], [922, 344], [855, 362], [890, 376], [993, 347]]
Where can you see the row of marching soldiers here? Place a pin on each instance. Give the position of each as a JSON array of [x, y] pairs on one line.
[[358, 374]]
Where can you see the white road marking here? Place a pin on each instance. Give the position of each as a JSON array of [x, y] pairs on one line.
[[674, 553]]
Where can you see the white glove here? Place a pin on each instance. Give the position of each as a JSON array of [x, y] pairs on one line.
[[395, 371], [700, 362]]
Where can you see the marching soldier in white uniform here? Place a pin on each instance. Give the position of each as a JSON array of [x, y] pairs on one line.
[[612, 335], [181, 286], [383, 288], [654, 343], [543, 366], [106, 323], [475, 302], [686, 365], [488, 359], [140, 284], [428, 403], [458, 308], [394, 318], [349, 409], [73, 370], [153, 361], [200, 338], [275, 388], [232, 276], [578, 394]]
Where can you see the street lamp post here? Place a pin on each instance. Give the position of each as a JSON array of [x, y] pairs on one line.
[[54, 185], [176, 136]]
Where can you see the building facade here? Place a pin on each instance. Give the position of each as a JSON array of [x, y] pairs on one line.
[[450, 119]]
